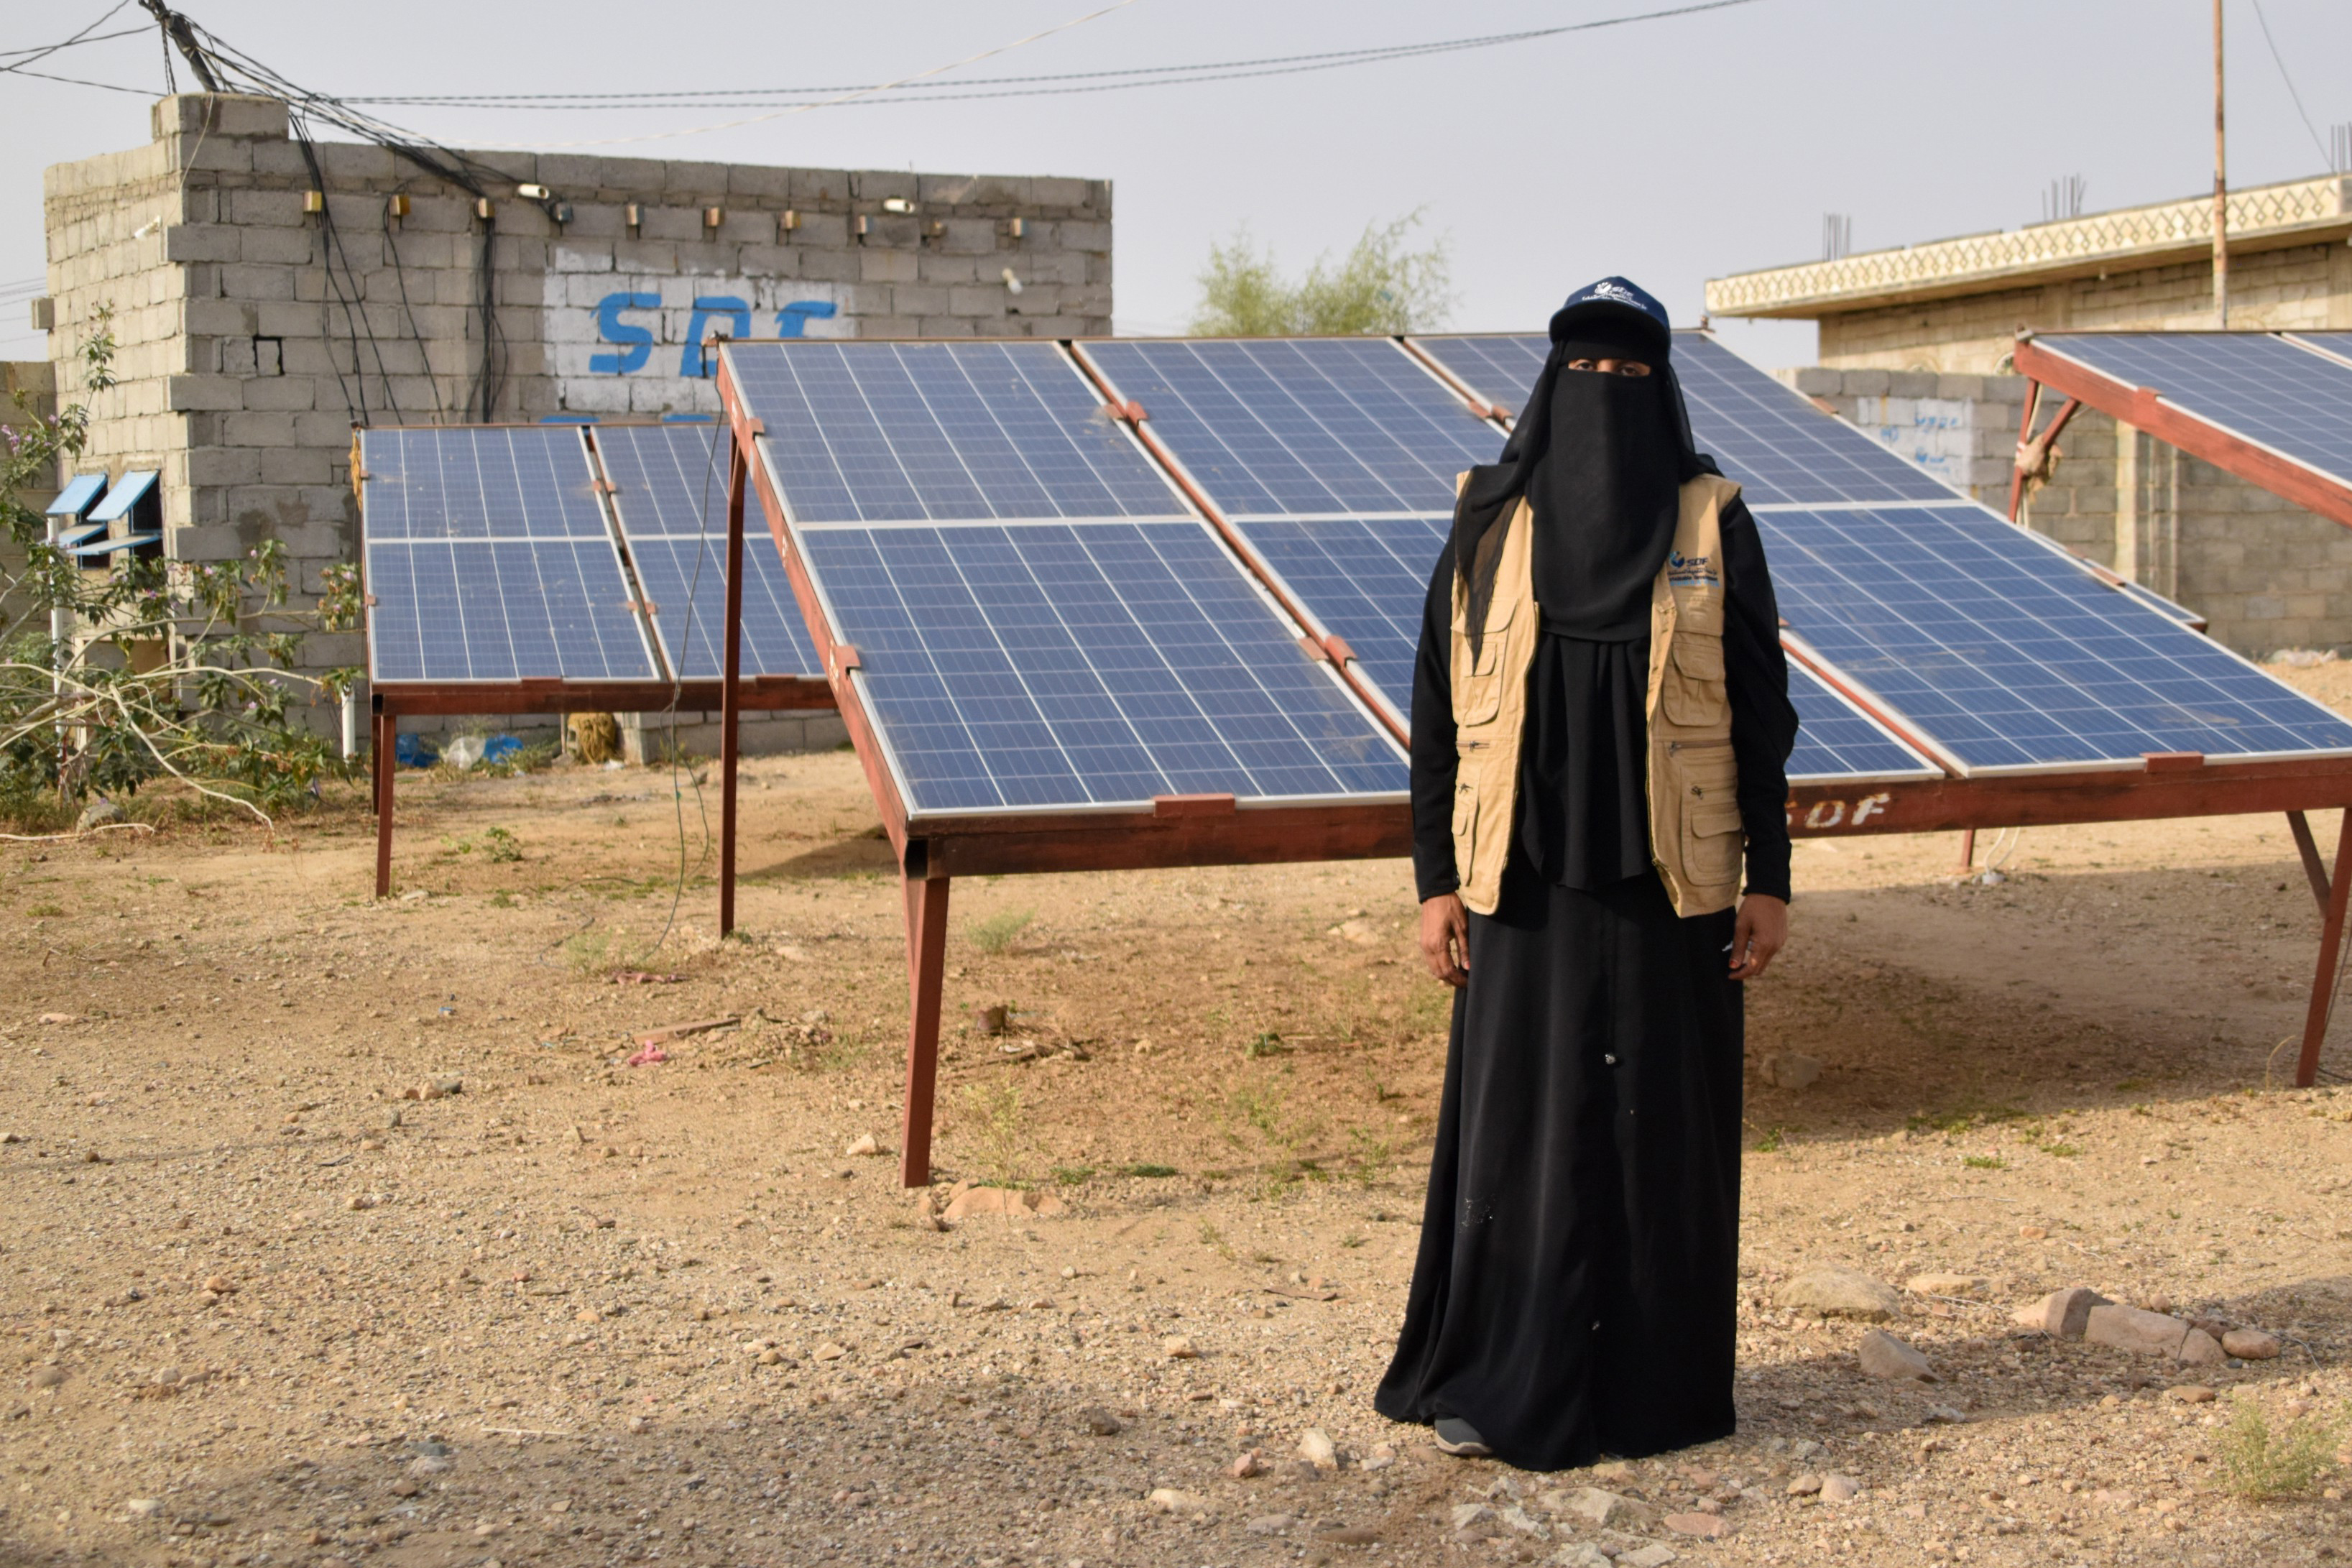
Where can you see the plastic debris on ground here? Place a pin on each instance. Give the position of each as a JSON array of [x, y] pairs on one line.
[[651, 1056], [469, 751], [414, 751]]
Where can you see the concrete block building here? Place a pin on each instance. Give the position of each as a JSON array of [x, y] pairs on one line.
[[1916, 345], [268, 293]]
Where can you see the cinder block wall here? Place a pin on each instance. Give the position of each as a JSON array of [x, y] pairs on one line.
[[2300, 287], [28, 395], [2266, 574], [243, 359]]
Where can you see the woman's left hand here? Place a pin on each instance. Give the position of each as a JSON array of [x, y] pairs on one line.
[[1758, 934]]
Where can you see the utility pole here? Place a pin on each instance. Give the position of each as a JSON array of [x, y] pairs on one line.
[[2221, 189]]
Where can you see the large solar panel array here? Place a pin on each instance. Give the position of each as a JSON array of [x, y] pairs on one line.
[[669, 496], [2268, 389], [488, 558], [934, 432], [1966, 628], [1067, 637]]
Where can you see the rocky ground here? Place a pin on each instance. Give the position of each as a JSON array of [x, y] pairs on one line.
[[265, 1308]]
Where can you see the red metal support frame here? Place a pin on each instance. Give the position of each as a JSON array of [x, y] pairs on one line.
[[926, 948], [2331, 952], [2314, 870], [388, 731], [731, 689], [2143, 409]]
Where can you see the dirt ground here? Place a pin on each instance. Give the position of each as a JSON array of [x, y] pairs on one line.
[[264, 1310]]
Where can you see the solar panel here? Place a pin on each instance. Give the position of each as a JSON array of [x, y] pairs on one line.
[[1044, 665], [1499, 368], [2261, 387], [1269, 426], [882, 431], [506, 482], [1777, 445], [488, 560], [1363, 580], [1837, 741], [669, 494], [1973, 634], [446, 610]]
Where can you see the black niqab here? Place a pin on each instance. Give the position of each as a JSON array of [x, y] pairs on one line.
[[1592, 453]]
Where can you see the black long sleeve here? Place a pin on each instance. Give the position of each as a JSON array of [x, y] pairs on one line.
[[1763, 721], [1433, 749]]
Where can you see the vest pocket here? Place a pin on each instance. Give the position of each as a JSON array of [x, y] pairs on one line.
[[1712, 844], [1466, 826], [1692, 691]]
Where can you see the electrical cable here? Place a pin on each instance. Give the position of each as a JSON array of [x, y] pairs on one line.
[[1142, 76], [76, 41], [400, 276], [145, 92], [83, 37], [2325, 157]]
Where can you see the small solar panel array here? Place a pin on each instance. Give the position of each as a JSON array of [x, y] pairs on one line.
[[490, 557]]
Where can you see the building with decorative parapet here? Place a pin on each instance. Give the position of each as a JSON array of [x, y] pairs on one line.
[[1916, 346]]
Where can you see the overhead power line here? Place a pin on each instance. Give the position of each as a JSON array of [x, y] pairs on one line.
[[1031, 86]]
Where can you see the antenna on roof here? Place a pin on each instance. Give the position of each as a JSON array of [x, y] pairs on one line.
[[1837, 235], [2339, 159], [2063, 199]]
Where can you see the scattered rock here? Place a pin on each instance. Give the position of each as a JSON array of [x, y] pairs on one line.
[[1518, 1518], [144, 1507], [1710, 1525], [988, 1020], [2033, 1233], [1008, 1201], [1247, 1465], [1271, 1523], [827, 1351], [1793, 1069], [97, 814], [1332, 1533], [1657, 1554], [2199, 1348], [2189, 1393], [1182, 1504], [1884, 1356], [1841, 1293], [1840, 1488], [1806, 1485], [1358, 931], [2061, 1314], [47, 1377], [1580, 1554], [1316, 1448], [1597, 1508], [1946, 1284], [1469, 1515], [2251, 1344], [864, 1144], [1101, 1422], [1178, 1347], [2135, 1329]]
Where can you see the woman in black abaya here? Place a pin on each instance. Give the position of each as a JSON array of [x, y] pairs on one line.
[[1573, 1295]]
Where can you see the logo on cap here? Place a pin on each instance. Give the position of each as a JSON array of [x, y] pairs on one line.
[[1610, 289]]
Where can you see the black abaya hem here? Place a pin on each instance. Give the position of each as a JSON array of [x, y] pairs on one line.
[[1574, 1293]]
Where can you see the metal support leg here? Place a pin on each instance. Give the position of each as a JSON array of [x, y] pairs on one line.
[[1968, 850], [387, 726], [731, 689], [927, 952], [2331, 941], [2313, 870]]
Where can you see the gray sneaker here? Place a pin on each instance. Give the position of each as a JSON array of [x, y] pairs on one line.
[[1458, 1438]]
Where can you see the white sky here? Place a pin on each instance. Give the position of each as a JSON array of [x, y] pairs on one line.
[[1670, 151]]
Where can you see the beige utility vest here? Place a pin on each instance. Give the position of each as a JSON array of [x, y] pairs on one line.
[[1695, 837]]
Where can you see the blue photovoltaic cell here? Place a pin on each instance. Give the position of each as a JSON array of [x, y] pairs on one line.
[[479, 482], [886, 432], [669, 492], [1836, 740], [468, 609], [1364, 580], [1776, 444], [2259, 386], [1971, 632], [1067, 665], [1289, 426], [1499, 367]]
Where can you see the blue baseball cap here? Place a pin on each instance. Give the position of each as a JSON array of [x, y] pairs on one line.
[[1616, 312]]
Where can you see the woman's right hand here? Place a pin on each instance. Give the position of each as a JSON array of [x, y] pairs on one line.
[[1446, 938]]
